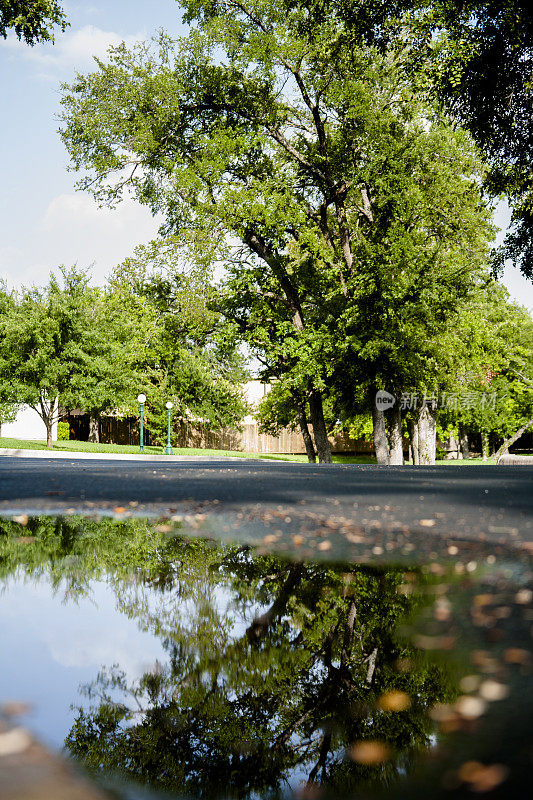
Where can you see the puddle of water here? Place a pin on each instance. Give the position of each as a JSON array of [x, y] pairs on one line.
[[219, 671]]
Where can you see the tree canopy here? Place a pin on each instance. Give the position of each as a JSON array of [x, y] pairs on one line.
[[340, 201], [31, 20], [483, 74], [62, 347], [473, 57], [73, 346], [491, 390], [181, 349]]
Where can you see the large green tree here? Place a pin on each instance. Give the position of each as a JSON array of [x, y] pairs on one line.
[[491, 391], [481, 70], [303, 152], [476, 59]]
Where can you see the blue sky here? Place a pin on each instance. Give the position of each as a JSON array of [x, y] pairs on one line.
[[44, 221]]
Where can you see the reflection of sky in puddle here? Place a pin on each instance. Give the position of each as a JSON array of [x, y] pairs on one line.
[[51, 644], [53, 641]]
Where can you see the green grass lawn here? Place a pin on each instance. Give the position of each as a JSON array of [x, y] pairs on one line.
[[463, 462], [89, 447]]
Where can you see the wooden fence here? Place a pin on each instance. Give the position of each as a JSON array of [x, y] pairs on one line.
[[125, 430], [250, 440]]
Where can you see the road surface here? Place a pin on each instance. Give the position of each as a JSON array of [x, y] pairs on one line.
[[254, 499]]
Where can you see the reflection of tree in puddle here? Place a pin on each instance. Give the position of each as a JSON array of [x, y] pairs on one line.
[[279, 675], [287, 675]]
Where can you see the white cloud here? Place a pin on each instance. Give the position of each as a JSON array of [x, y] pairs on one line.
[[86, 647], [75, 48], [75, 209], [78, 216], [81, 8], [73, 230], [86, 632]]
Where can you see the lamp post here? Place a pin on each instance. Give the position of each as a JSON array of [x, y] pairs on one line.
[[142, 400], [168, 449]]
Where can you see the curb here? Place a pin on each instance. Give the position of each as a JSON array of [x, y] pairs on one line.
[[511, 458], [76, 454]]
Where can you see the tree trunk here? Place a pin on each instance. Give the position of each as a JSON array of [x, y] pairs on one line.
[[371, 666], [316, 412], [302, 419], [321, 764], [47, 411], [484, 445], [261, 624], [463, 444], [452, 446], [427, 436], [348, 634], [381, 444], [512, 439], [413, 440], [395, 436], [48, 423], [94, 429]]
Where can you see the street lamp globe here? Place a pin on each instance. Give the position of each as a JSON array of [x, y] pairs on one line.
[[141, 398], [168, 448]]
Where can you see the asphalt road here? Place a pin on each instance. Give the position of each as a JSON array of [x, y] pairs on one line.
[[281, 499]]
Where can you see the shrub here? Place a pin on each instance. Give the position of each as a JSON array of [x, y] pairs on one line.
[[63, 431]]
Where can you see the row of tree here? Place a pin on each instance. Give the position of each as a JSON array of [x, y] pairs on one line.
[[479, 392], [69, 345], [153, 328], [316, 151]]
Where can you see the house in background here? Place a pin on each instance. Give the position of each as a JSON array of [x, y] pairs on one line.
[[254, 391]]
